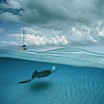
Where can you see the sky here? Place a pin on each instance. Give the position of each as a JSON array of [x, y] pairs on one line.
[[52, 22]]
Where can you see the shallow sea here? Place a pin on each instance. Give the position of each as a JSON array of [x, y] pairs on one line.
[[74, 82]]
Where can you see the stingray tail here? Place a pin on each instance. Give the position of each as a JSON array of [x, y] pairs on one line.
[[25, 81]]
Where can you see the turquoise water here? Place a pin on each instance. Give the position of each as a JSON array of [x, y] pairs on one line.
[[61, 55], [79, 78]]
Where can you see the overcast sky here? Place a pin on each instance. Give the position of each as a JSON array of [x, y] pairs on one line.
[[56, 22]]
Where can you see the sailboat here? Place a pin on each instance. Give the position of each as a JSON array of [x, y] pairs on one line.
[[23, 47]]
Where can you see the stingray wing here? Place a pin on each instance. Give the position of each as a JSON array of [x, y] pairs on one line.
[[35, 73]]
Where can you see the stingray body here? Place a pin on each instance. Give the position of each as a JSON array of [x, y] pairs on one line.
[[41, 74]]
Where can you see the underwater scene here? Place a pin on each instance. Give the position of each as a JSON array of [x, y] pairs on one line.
[[78, 79]]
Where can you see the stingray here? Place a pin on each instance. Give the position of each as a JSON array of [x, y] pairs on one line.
[[37, 74]]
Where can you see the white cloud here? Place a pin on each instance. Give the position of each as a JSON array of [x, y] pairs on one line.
[[43, 40], [57, 40], [82, 35], [13, 4], [31, 39], [77, 35], [35, 40], [9, 17], [28, 30], [100, 32], [8, 43], [91, 39]]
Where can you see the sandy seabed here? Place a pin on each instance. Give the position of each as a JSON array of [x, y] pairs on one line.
[[68, 85]]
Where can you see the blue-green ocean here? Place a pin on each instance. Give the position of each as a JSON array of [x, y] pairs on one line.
[[79, 78]]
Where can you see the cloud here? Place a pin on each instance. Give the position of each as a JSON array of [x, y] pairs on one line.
[[82, 36], [1, 30], [11, 4], [7, 16], [28, 30], [41, 31], [38, 11], [100, 31], [100, 34], [42, 11], [57, 22], [48, 11], [31, 39], [8, 43], [77, 35]]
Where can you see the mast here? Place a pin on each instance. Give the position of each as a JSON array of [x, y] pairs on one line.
[[23, 47], [23, 36]]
